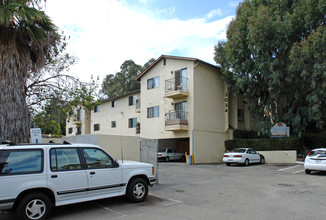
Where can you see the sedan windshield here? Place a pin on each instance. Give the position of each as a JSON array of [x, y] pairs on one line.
[[238, 150]]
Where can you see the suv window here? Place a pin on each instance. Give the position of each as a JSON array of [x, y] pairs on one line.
[[21, 161], [96, 158], [65, 159]]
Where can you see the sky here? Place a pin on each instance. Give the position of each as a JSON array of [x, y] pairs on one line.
[[105, 33]]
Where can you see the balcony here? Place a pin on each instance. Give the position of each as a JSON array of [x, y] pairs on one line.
[[176, 121], [176, 88], [77, 121], [138, 106]]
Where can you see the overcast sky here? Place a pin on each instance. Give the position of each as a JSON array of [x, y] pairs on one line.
[[105, 33]]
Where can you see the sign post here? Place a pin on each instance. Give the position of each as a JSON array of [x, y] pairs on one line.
[[36, 135], [280, 130]]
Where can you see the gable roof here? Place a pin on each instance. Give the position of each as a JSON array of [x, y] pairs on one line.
[[174, 57], [120, 96]]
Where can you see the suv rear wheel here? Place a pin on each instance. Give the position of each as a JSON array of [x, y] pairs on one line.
[[34, 206]]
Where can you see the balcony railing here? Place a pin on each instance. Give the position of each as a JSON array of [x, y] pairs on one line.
[[138, 129], [176, 121], [176, 87]]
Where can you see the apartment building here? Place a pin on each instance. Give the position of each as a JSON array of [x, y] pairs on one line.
[[114, 116], [78, 123], [183, 103]]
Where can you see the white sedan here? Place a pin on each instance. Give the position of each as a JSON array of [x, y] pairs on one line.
[[315, 160], [243, 156]]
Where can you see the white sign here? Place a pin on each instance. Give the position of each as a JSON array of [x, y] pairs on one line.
[[280, 130], [36, 135]]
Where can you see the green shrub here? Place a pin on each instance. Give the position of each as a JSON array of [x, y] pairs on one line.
[[312, 141], [267, 144], [246, 134]]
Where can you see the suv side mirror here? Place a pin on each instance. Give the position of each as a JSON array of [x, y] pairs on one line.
[[115, 164]]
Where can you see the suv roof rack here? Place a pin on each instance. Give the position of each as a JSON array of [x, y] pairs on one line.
[[8, 142]]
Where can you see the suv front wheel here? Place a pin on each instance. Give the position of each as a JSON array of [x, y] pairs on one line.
[[34, 206], [137, 190]]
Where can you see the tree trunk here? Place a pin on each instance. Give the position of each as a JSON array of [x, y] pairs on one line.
[[14, 113]]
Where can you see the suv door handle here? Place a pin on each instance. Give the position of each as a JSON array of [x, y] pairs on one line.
[[92, 173], [54, 176]]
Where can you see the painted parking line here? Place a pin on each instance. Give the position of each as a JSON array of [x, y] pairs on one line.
[[298, 171], [119, 214], [172, 201], [288, 168]]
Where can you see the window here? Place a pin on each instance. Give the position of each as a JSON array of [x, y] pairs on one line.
[[114, 103], [153, 83], [96, 127], [113, 124], [79, 115], [64, 159], [78, 130], [70, 130], [97, 109], [153, 112], [132, 100], [132, 122], [21, 162], [181, 110], [240, 114], [181, 79], [96, 158]]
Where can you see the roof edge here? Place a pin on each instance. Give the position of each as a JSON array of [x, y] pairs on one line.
[[173, 57]]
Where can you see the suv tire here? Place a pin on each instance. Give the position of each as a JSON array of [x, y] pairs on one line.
[[34, 206], [137, 190]]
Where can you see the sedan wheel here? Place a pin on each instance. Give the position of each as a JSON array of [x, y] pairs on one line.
[[228, 164], [308, 171], [167, 159], [262, 160], [246, 163]]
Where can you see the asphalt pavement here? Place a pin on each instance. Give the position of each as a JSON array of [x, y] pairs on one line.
[[215, 191]]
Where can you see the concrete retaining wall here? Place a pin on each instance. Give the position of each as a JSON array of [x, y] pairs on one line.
[[279, 156]]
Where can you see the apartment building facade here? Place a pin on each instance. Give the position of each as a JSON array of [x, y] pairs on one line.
[[183, 103], [192, 110], [114, 116]]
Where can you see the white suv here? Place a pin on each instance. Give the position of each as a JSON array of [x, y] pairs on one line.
[[33, 177]]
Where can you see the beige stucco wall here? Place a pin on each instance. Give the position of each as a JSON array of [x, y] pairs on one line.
[[210, 120], [154, 128], [126, 147], [209, 146], [116, 146], [121, 114], [208, 100], [289, 156]]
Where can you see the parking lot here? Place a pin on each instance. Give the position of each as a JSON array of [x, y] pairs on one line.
[[215, 191]]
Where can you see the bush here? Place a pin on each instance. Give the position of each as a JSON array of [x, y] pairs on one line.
[[246, 134], [267, 144], [312, 141]]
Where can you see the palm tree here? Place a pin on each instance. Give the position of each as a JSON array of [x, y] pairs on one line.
[[27, 39]]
